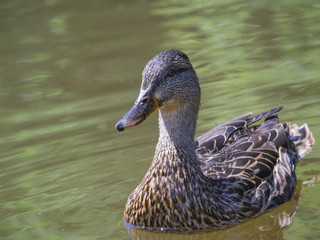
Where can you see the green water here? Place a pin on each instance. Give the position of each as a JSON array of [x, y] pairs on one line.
[[70, 69]]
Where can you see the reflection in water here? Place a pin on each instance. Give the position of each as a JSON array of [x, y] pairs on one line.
[[267, 226]]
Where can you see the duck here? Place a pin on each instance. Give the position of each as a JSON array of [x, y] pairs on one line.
[[233, 172]]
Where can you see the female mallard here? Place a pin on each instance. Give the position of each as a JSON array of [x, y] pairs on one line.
[[233, 172]]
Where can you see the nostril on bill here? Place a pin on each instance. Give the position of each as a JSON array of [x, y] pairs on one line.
[[144, 100]]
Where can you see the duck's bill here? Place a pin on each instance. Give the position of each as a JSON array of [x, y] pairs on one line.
[[144, 106]]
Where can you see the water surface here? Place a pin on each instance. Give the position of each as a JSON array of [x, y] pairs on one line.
[[71, 69]]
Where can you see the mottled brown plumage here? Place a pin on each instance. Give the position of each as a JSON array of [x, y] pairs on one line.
[[234, 171]]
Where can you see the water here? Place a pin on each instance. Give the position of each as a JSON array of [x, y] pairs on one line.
[[70, 69]]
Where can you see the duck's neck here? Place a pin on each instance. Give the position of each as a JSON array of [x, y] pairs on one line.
[[177, 127], [176, 137]]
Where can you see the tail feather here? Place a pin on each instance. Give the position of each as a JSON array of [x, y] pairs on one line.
[[301, 137]]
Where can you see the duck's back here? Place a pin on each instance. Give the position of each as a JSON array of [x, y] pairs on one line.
[[258, 161]]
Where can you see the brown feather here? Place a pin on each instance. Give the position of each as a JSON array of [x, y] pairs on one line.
[[234, 171]]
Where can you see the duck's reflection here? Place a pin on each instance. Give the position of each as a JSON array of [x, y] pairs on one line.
[[268, 226]]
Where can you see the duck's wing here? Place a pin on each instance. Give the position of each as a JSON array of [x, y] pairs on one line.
[[252, 154], [215, 139], [254, 164], [242, 151]]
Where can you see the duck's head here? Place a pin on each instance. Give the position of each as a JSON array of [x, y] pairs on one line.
[[169, 82]]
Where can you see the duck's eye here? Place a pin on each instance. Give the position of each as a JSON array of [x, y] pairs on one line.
[[171, 72]]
